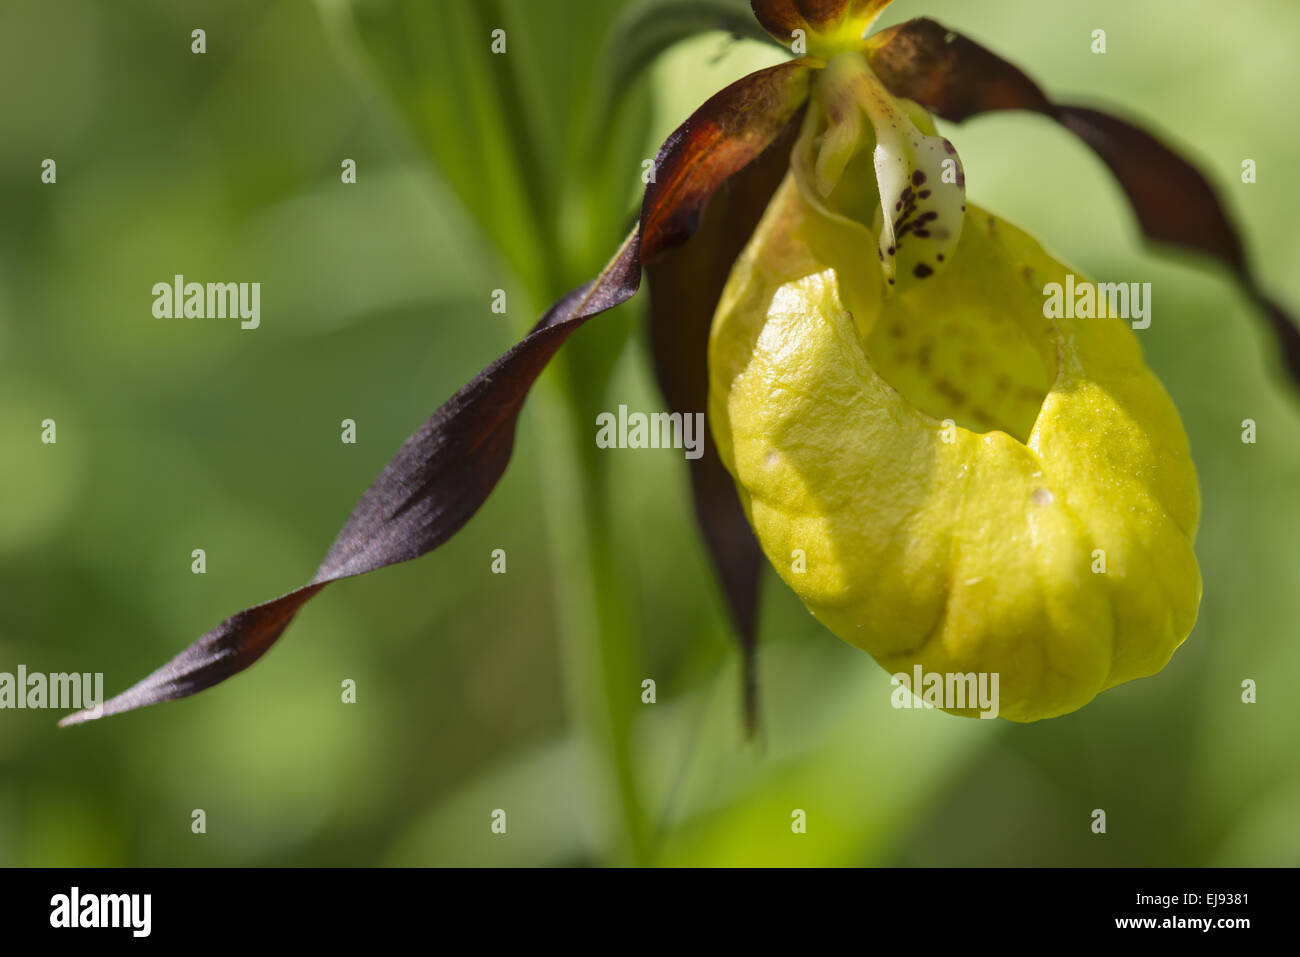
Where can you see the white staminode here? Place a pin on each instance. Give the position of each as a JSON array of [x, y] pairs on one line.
[[920, 187]]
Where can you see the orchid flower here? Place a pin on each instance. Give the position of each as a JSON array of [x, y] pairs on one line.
[[948, 473]]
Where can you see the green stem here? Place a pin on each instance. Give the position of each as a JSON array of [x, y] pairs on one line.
[[597, 635], [596, 629]]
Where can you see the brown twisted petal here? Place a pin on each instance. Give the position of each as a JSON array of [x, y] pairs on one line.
[[444, 472], [781, 18], [949, 74], [821, 13], [431, 488], [684, 288], [1174, 203], [720, 138]]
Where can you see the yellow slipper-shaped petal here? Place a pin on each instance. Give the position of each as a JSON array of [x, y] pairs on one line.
[[945, 477]]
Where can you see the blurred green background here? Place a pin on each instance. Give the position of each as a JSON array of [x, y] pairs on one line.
[[523, 692]]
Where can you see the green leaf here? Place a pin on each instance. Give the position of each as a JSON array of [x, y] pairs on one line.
[[650, 27]]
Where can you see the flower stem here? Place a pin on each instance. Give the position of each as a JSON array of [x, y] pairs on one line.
[[597, 634]]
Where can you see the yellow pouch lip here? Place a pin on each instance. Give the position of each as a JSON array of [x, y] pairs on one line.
[[841, 608]]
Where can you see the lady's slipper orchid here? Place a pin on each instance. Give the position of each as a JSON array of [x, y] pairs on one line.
[[1046, 539], [971, 486]]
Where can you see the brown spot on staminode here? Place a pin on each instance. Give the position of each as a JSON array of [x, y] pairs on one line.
[[922, 271]]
